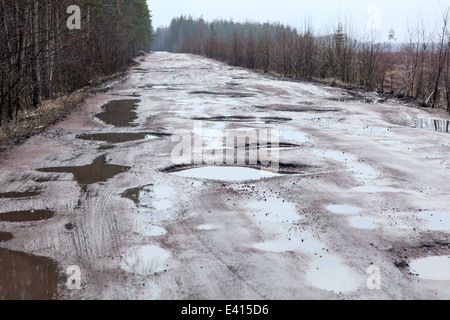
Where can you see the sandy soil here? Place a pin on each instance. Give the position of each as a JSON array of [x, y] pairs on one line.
[[370, 187]]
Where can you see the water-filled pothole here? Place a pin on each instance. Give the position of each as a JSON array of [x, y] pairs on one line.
[[245, 119], [228, 173], [26, 216], [28, 277], [98, 171], [230, 94], [145, 260], [433, 125], [116, 137], [120, 113], [331, 275], [431, 268], [299, 108], [18, 195], [5, 236]]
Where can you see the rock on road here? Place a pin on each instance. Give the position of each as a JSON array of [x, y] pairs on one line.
[[373, 192]]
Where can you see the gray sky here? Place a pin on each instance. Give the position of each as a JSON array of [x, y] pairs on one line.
[[363, 15]]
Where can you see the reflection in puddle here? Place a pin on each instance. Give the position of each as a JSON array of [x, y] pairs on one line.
[[363, 223], [150, 199], [432, 268], [120, 113], [115, 137], [329, 274], [145, 260], [343, 209], [26, 216], [27, 277], [226, 173], [437, 221], [98, 171], [433, 125]]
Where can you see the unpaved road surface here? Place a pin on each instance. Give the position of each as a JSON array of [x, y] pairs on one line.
[[372, 195]]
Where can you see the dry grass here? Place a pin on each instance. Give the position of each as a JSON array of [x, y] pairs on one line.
[[31, 122]]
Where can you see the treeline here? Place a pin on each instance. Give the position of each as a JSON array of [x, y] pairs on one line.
[[42, 57], [418, 69]]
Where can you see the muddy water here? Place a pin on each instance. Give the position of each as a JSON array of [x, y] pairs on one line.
[[115, 137], [98, 171], [26, 216], [120, 113], [28, 277], [17, 195], [6, 236]]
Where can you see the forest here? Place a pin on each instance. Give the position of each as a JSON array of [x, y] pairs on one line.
[[42, 57], [418, 69]]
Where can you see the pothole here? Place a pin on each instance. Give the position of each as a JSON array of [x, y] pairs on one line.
[[26, 216], [145, 260], [433, 125], [28, 277], [307, 107], [244, 119], [227, 173], [18, 195], [120, 137], [98, 171], [330, 275], [431, 268], [120, 113], [5, 236], [230, 94]]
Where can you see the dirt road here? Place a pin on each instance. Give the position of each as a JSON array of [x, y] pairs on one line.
[[362, 195]]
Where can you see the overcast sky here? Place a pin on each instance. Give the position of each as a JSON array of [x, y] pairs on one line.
[[364, 15]]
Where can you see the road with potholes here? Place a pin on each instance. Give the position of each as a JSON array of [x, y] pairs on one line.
[[357, 209]]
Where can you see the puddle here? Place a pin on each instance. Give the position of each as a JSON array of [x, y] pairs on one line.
[[227, 94], [329, 274], [267, 120], [6, 236], [156, 198], [98, 171], [308, 107], [17, 195], [343, 209], [145, 260], [362, 223], [431, 268], [27, 277], [225, 173], [159, 87], [26, 216], [433, 125], [436, 221], [296, 136], [120, 113], [115, 137], [206, 227]]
